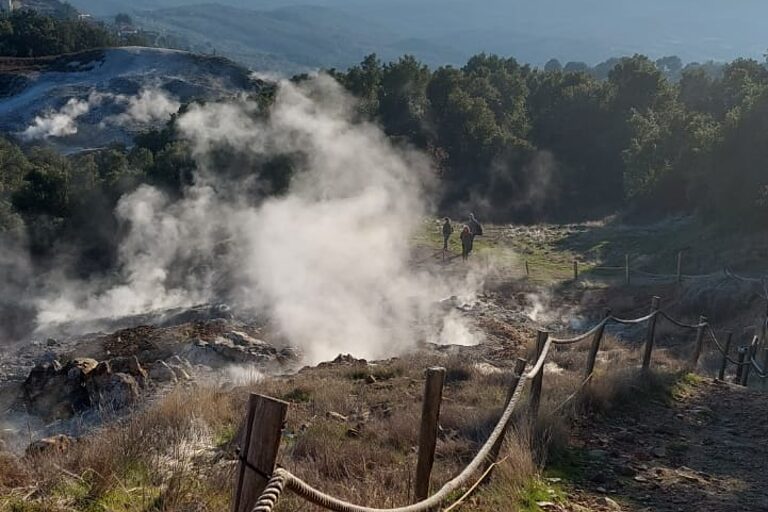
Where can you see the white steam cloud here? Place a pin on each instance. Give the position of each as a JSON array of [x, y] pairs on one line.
[[328, 262], [150, 106], [58, 124]]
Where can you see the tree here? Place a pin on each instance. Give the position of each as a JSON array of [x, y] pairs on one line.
[[552, 66], [671, 66], [576, 67], [638, 85], [403, 97], [364, 81]]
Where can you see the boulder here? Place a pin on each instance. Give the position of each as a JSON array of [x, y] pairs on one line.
[[130, 366], [232, 347], [110, 390], [161, 372], [53, 391]]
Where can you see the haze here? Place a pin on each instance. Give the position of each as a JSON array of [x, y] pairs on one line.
[[293, 34]]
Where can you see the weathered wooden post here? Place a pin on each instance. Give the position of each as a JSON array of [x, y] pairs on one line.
[[516, 376], [699, 341], [650, 333], [538, 380], [595, 348], [626, 269], [527, 270], [679, 267], [750, 354], [258, 453], [726, 350], [430, 414], [575, 270], [740, 366]]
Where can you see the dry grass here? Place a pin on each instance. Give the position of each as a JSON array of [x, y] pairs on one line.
[[175, 456]]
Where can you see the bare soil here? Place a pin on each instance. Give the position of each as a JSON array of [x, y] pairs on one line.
[[705, 450]]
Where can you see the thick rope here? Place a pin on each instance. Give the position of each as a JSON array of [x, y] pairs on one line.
[[271, 492], [722, 350], [580, 337], [540, 363], [632, 321], [682, 325], [760, 371]]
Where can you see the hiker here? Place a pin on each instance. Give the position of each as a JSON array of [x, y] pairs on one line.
[[447, 230], [466, 243], [475, 228]]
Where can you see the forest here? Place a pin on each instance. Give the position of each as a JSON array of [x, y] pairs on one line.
[[510, 142]]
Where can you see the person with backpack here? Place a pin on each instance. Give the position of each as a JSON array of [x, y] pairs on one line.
[[475, 228], [466, 243], [447, 231]]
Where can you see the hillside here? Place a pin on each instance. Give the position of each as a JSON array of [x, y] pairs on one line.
[[99, 97], [447, 32], [289, 39]]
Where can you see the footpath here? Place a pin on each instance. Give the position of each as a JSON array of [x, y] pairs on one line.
[[706, 450]]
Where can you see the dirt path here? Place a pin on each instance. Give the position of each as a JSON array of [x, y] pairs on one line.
[[706, 451]]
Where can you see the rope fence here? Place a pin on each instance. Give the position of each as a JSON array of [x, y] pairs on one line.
[[261, 482], [628, 272]]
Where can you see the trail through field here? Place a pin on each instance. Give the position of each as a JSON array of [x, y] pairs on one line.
[[704, 451]]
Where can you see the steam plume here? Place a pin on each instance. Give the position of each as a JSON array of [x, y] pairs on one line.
[[329, 261]]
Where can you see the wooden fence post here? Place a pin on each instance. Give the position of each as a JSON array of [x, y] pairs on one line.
[[626, 269], [430, 414], [740, 367], [538, 380], [516, 376], [595, 348], [575, 270], [263, 427], [750, 354], [726, 349], [699, 341], [679, 267], [527, 270], [650, 334]]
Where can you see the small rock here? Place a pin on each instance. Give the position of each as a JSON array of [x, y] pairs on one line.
[[336, 416], [161, 372], [51, 342], [370, 379], [611, 504], [659, 451]]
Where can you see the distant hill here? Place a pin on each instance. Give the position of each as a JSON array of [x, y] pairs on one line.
[[289, 39], [290, 34]]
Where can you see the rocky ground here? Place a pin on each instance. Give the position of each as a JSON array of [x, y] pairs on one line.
[[72, 383], [703, 450]]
